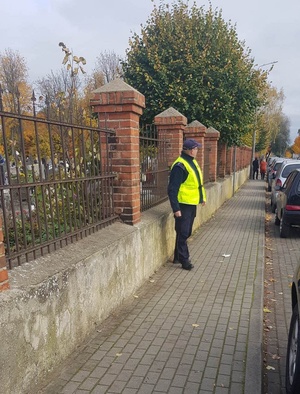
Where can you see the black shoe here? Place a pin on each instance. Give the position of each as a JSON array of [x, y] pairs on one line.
[[187, 267], [175, 261]]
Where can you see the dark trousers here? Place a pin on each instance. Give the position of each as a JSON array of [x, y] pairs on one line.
[[255, 174], [183, 228]]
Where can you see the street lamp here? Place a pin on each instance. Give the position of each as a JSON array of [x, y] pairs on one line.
[[254, 131]]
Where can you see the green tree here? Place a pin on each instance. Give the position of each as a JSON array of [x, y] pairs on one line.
[[192, 60], [269, 121], [270, 116], [281, 142]]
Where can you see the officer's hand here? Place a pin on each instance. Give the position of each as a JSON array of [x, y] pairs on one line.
[[177, 214]]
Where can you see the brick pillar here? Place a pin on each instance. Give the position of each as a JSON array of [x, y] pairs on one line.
[[211, 140], [249, 155], [4, 284], [244, 152], [241, 157], [237, 158], [119, 107], [197, 131], [222, 149], [229, 160], [170, 127]]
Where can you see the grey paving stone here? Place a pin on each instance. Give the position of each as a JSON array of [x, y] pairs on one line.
[[70, 387], [200, 331], [107, 379], [80, 376], [100, 390], [89, 384]]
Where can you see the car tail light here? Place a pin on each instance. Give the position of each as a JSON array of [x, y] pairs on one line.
[[278, 183], [292, 207]]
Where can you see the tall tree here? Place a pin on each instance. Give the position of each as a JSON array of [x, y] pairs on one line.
[[109, 64], [296, 145], [13, 79], [62, 92], [54, 91], [270, 122], [16, 94], [281, 141], [74, 65], [271, 116], [191, 59]]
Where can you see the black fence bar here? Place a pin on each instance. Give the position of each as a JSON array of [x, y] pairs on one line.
[[154, 169], [53, 189]]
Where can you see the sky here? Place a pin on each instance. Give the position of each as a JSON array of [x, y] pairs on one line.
[[270, 28]]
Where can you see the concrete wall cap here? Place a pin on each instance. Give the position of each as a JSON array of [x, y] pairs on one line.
[[117, 85], [212, 130], [195, 123], [168, 113]]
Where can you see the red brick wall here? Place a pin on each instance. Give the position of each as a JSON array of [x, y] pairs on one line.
[[197, 131], [211, 139], [119, 107], [170, 127], [221, 166], [229, 158]]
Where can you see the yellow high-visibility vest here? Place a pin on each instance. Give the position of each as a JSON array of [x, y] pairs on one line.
[[189, 191]]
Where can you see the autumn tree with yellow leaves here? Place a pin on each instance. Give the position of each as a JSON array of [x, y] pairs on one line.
[[296, 145], [16, 95], [272, 126]]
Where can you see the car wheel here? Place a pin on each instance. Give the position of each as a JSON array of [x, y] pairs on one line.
[[292, 372], [277, 221], [284, 229]]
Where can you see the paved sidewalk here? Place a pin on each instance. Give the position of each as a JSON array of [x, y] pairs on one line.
[[188, 332]]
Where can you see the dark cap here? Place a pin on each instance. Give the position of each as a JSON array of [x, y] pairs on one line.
[[190, 144]]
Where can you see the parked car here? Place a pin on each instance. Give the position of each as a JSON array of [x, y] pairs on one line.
[[272, 171], [292, 371], [285, 168], [270, 161], [287, 213]]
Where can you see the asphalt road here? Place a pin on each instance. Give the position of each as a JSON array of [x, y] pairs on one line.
[[281, 257]]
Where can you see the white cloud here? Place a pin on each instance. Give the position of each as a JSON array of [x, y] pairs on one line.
[[269, 28]]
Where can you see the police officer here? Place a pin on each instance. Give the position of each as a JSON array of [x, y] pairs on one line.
[[185, 191]]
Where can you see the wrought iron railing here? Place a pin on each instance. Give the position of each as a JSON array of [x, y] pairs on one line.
[[56, 182], [153, 168]]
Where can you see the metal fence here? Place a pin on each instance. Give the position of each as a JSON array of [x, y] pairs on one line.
[[56, 182], [154, 168]]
